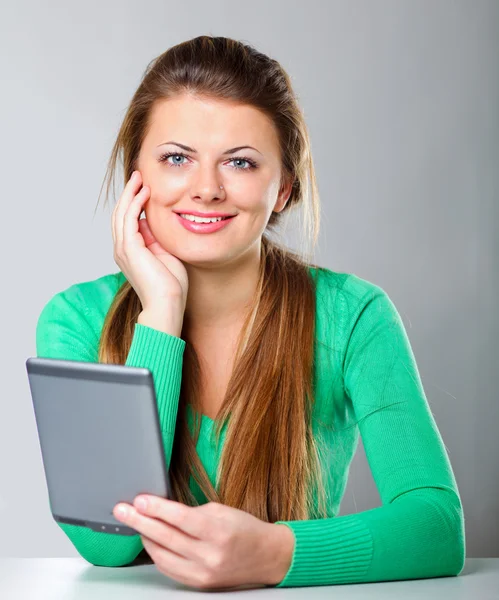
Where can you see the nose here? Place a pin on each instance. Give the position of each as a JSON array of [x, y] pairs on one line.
[[207, 186]]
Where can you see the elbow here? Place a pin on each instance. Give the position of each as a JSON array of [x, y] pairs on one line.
[[102, 558], [112, 556], [132, 558], [456, 557], [102, 549], [443, 518], [457, 539], [459, 547], [460, 562], [105, 561]]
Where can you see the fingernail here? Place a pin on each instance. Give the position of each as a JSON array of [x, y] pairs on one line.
[[121, 511]]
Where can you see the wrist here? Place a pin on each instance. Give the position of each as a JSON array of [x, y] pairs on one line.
[[281, 548], [169, 321]]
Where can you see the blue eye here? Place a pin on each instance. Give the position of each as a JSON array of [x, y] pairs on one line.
[[164, 159], [252, 163]]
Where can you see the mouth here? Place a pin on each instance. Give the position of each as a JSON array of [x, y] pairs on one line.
[[207, 217], [210, 227]]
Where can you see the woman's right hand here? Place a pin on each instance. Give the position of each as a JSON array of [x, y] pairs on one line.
[[158, 277]]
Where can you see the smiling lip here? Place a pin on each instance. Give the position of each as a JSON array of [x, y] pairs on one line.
[[203, 227], [195, 213]]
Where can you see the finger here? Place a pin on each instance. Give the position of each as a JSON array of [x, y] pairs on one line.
[[150, 241], [146, 232], [131, 233], [116, 206], [181, 516], [163, 534], [131, 188], [175, 567]]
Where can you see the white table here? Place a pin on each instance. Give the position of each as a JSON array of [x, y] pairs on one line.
[[75, 579]]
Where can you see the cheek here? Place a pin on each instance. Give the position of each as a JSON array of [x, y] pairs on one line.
[[158, 204], [251, 199], [250, 186]]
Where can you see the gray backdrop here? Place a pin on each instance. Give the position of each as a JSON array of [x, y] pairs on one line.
[[402, 101]]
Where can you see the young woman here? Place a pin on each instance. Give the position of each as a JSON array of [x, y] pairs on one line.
[[266, 367]]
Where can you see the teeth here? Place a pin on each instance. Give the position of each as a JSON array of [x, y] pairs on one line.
[[201, 219]]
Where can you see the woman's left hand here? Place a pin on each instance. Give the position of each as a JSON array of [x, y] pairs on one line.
[[211, 546]]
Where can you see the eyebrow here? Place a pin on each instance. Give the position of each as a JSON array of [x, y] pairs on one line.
[[188, 149]]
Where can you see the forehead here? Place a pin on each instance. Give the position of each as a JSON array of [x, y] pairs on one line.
[[196, 121]]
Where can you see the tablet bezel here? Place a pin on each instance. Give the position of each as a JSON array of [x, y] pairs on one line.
[[48, 376]]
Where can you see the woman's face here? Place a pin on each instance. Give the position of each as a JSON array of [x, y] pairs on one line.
[[190, 180]]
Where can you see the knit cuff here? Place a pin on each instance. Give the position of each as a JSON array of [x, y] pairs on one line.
[[339, 548]]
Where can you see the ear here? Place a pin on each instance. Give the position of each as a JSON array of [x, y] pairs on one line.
[[284, 194]]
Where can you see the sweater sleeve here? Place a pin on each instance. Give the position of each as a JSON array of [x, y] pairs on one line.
[[418, 532], [64, 332]]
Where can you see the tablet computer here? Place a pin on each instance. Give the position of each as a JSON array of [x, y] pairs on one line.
[[100, 439]]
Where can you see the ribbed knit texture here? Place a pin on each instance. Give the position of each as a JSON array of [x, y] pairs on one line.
[[366, 383]]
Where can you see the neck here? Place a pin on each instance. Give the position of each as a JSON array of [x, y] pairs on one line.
[[219, 297]]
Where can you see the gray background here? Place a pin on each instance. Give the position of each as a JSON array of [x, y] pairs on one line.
[[402, 102]]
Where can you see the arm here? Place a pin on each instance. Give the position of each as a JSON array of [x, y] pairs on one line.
[[63, 332], [418, 532]]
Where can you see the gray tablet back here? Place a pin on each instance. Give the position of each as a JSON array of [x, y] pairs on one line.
[[100, 438]]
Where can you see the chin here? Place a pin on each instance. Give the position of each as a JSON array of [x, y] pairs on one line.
[[204, 257]]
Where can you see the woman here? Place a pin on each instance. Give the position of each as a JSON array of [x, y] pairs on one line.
[[266, 367]]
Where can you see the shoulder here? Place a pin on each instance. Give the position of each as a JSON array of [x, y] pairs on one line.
[[70, 323], [90, 299], [341, 297], [347, 289]]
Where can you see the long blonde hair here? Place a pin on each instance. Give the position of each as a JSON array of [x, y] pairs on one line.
[[270, 462]]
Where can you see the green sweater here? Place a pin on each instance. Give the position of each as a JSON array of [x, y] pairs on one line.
[[366, 382]]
